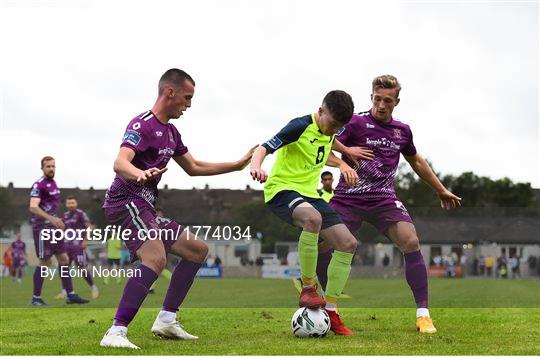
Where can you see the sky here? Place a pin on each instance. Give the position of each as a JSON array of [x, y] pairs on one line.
[[74, 73]]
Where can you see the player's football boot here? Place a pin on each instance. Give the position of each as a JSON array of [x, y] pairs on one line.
[[95, 292], [336, 324], [172, 330], [37, 301], [310, 299], [75, 299], [424, 324], [116, 339]]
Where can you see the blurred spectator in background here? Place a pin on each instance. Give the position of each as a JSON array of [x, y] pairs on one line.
[[502, 268], [533, 264], [482, 265], [463, 264], [475, 265], [448, 261], [210, 261], [385, 260], [490, 262], [6, 271], [514, 265], [217, 261]]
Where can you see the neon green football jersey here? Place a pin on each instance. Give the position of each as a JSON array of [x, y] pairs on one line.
[[302, 152], [325, 195], [114, 248]]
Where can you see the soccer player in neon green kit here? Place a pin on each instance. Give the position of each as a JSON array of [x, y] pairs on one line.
[[304, 146]]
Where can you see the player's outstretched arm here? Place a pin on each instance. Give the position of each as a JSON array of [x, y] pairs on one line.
[[255, 170], [354, 153], [124, 167], [422, 169], [36, 210], [349, 174], [194, 167]]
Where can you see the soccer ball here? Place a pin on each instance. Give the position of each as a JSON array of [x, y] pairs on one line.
[[310, 322]]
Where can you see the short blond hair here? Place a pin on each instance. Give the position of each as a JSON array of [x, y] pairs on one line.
[[386, 81], [46, 158]]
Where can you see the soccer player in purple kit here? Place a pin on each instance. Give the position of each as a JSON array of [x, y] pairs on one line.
[[76, 219], [150, 141], [44, 204], [18, 256], [374, 200]]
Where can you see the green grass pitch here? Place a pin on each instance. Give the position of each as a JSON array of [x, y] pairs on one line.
[[252, 316]]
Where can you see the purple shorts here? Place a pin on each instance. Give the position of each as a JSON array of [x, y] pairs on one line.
[[380, 214], [46, 248], [141, 219], [77, 255], [18, 261]]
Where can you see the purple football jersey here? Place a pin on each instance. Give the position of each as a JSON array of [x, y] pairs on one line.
[[48, 192], [76, 220], [154, 144], [388, 141], [18, 247]]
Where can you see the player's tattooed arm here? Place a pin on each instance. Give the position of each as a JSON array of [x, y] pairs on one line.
[[255, 170], [124, 167], [354, 153], [194, 167], [422, 169], [349, 174], [36, 210]]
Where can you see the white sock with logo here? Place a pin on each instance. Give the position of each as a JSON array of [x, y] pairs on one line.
[[167, 316], [422, 312], [117, 329]]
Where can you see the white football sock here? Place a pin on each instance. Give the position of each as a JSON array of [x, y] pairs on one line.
[[118, 329], [167, 316], [422, 312]]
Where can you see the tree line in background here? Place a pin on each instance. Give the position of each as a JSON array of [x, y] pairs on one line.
[[480, 196]]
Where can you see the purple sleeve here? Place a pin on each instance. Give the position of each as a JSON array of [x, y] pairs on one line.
[[344, 134], [409, 149], [36, 190], [180, 149], [84, 217], [347, 135], [136, 136]]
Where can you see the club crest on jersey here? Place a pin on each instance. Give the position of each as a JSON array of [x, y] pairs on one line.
[[274, 143], [370, 126], [340, 131], [132, 137], [171, 138], [159, 134], [397, 133]]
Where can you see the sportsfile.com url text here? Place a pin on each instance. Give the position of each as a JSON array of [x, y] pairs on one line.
[[226, 233]]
